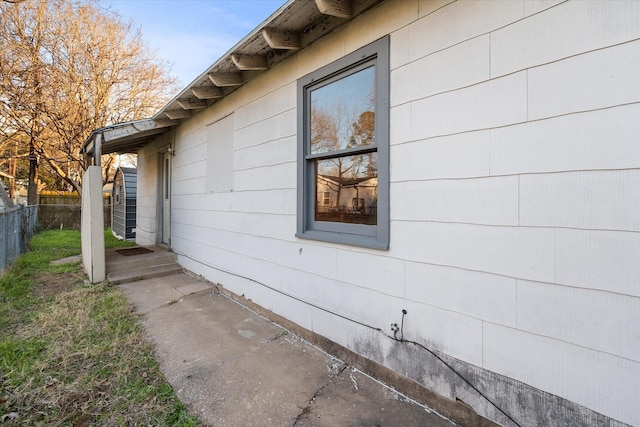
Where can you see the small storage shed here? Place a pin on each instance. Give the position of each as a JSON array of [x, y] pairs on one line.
[[123, 204]]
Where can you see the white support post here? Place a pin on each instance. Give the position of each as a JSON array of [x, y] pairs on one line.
[[92, 225]]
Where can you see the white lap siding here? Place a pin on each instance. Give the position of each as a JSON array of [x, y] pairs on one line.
[[515, 172]]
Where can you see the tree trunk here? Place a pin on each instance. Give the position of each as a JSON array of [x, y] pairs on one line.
[[32, 192], [13, 167]]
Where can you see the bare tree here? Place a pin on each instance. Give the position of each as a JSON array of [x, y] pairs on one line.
[[325, 137], [335, 129], [66, 68]]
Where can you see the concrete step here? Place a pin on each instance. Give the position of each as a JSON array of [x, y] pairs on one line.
[[116, 262], [139, 263], [148, 272]]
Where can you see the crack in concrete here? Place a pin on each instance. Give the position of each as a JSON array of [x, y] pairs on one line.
[[166, 304], [275, 337], [307, 409], [197, 293], [182, 297]]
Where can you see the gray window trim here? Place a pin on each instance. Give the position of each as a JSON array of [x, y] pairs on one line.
[[377, 236]]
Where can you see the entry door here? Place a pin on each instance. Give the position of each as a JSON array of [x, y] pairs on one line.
[[166, 198]]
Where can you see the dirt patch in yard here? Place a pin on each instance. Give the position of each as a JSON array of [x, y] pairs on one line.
[[50, 283]]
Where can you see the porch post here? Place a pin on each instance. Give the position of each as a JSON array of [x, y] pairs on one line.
[[92, 225]]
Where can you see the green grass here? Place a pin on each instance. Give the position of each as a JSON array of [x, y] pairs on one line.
[[17, 282], [110, 241], [72, 354]]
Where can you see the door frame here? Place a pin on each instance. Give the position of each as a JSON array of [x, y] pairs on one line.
[[163, 237]]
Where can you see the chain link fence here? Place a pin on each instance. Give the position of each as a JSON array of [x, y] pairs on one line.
[[17, 226]]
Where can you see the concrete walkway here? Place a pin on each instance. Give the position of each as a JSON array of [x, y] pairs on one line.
[[235, 368]]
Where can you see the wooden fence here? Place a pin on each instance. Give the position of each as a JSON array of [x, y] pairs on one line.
[[62, 211]]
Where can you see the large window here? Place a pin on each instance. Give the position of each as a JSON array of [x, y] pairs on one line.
[[343, 150]]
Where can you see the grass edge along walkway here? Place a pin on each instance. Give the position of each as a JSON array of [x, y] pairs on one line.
[[75, 354]]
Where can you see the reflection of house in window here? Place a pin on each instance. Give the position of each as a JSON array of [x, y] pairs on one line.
[[326, 197], [355, 200]]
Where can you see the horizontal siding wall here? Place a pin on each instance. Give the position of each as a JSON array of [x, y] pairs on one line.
[[245, 230], [515, 172], [515, 169]]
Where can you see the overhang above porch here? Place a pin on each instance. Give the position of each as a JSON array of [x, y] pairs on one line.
[[125, 137]]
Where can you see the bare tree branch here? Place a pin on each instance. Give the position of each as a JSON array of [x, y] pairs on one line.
[[68, 67]]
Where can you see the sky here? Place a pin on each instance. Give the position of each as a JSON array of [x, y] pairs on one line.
[[193, 34]]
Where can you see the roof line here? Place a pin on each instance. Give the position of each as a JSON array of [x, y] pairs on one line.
[[226, 55]]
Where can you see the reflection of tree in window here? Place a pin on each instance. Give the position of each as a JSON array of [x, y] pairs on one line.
[[343, 112], [342, 130]]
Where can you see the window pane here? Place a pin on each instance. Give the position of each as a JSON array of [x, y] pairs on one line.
[[343, 113], [350, 184]]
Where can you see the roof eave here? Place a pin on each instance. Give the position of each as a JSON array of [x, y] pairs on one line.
[[294, 26], [126, 137]]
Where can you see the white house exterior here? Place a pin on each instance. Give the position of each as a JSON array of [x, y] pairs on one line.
[[511, 236]]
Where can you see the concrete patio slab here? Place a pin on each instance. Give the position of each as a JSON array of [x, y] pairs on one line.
[[233, 367]]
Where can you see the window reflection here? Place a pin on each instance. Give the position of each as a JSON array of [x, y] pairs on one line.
[[343, 113], [347, 189], [343, 149]]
